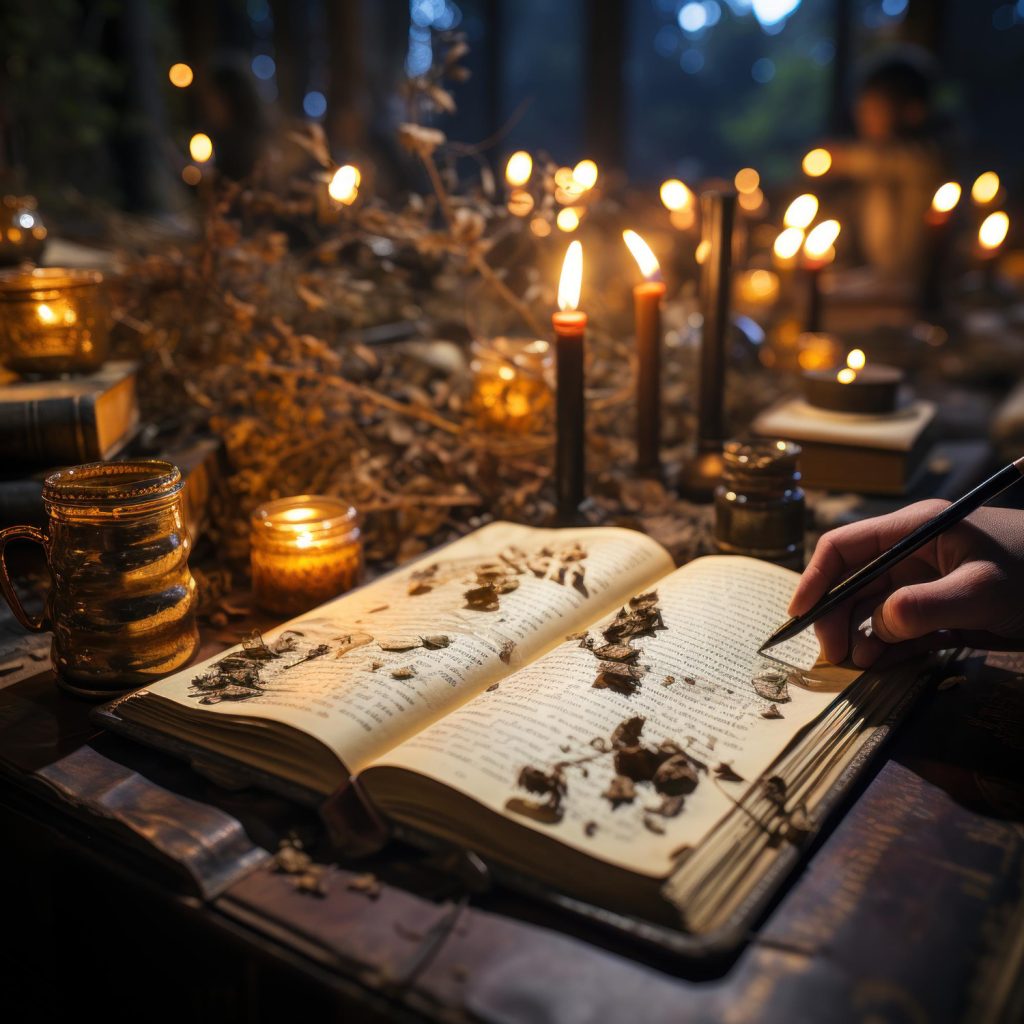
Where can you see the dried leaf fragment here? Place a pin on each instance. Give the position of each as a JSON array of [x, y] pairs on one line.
[[617, 652], [774, 789], [675, 776], [620, 791], [652, 824], [507, 650], [436, 642], [772, 712], [400, 644], [627, 732], [727, 773], [482, 599], [405, 672], [771, 685]]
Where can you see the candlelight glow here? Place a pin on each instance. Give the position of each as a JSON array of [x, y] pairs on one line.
[[787, 245], [570, 284], [180, 75], [585, 174], [985, 187], [801, 212], [519, 168], [747, 180], [817, 163], [683, 220], [751, 201], [993, 229], [846, 375], [855, 359], [675, 195], [520, 203], [304, 540], [821, 238], [344, 186], [568, 219], [703, 250], [46, 314], [540, 227], [646, 260], [946, 197], [191, 175], [200, 147]]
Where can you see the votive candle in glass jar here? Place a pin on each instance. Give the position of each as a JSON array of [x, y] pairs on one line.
[[53, 321], [305, 550], [512, 382]]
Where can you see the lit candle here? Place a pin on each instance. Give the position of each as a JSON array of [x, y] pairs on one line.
[[647, 298], [336, 190], [856, 387], [817, 163], [570, 323], [991, 235], [519, 168], [801, 212], [305, 550], [818, 253], [938, 221], [985, 188]]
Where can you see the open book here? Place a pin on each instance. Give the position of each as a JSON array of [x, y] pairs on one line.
[[562, 702]]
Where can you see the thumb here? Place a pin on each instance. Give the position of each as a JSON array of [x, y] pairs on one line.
[[957, 601]]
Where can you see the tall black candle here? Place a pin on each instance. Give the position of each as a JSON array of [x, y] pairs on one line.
[[569, 324], [718, 213]]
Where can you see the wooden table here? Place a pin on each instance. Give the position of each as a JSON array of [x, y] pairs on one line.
[[132, 884]]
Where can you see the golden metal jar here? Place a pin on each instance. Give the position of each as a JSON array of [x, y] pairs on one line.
[[122, 602], [53, 321], [305, 550]]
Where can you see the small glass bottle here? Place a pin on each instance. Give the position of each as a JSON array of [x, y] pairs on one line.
[[759, 504], [305, 550]]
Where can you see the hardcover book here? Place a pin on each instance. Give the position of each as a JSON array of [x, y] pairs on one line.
[[565, 703], [72, 420]]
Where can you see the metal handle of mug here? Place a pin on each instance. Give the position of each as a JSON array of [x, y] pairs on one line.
[[41, 624]]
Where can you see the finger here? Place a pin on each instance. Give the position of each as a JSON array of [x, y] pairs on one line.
[[835, 630], [952, 602], [839, 552]]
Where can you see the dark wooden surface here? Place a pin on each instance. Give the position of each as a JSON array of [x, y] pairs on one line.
[[910, 909]]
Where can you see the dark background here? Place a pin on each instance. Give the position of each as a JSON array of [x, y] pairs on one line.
[[654, 87]]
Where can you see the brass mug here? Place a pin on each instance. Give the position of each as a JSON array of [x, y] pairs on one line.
[[122, 602]]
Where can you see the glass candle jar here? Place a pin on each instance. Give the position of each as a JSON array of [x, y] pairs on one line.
[[122, 602], [305, 550], [512, 382], [759, 504], [53, 321]]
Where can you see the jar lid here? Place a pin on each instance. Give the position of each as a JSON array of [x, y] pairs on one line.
[[132, 482], [306, 513], [17, 283], [761, 456]]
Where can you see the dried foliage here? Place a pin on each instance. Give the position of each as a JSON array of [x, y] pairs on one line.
[[261, 333]]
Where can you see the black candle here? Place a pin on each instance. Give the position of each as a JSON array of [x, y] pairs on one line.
[[570, 324]]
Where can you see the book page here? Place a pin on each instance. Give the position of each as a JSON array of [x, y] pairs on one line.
[[698, 689], [364, 671]]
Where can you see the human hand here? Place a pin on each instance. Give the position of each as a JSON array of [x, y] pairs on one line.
[[966, 587]]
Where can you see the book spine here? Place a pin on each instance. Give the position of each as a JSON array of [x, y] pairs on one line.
[[49, 431]]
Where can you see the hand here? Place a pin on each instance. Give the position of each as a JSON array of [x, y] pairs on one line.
[[966, 587]]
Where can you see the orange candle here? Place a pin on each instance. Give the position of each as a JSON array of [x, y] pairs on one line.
[[570, 324], [647, 298]]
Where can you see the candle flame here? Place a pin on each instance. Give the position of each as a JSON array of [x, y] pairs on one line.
[[946, 197], [506, 373], [180, 75], [585, 174], [46, 314], [568, 219], [821, 238], [993, 229], [675, 195], [570, 284], [344, 186], [200, 147], [846, 375], [747, 180], [855, 359], [519, 168], [801, 212], [985, 187], [817, 163], [304, 539], [646, 260], [787, 245]]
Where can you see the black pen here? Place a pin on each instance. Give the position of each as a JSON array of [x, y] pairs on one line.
[[949, 516]]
